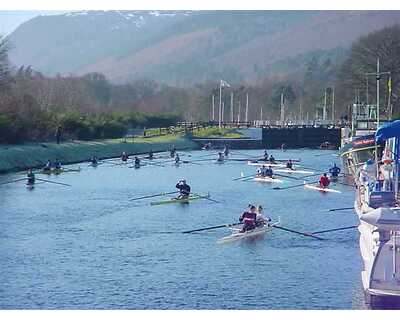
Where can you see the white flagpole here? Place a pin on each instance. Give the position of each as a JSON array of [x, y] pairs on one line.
[[223, 111], [240, 105]]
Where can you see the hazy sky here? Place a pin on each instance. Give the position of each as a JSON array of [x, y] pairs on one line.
[[10, 20]]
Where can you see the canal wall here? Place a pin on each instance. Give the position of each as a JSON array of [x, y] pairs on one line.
[[300, 137], [21, 157]]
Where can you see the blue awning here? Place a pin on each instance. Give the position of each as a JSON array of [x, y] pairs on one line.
[[387, 131]]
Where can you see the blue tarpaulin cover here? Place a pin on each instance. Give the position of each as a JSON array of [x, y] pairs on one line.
[[387, 131]]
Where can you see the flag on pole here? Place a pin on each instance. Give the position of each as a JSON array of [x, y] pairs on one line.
[[390, 84], [225, 84]]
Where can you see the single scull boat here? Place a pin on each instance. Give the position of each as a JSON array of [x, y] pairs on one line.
[[176, 200]]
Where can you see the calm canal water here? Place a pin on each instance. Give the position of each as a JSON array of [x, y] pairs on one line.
[[89, 247]]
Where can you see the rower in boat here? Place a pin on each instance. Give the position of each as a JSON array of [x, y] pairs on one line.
[[226, 150], [283, 147], [151, 155], [272, 159], [324, 181], [269, 173], [177, 159], [265, 155], [57, 165], [94, 161], [220, 157], [124, 157], [184, 189], [31, 177], [261, 172], [289, 165], [207, 146], [260, 218], [47, 167], [334, 171], [172, 152], [249, 219], [137, 162]]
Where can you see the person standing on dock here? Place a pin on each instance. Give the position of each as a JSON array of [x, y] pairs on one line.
[[31, 177], [324, 181], [184, 189], [387, 171], [334, 171], [249, 219], [58, 134]]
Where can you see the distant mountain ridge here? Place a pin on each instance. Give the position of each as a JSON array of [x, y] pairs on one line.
[[187, 47]]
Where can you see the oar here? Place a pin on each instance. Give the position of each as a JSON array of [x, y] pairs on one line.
[[62, 184], [154, 195], [243, 176], [214, 227], [340, 209], [13, 181], [298, 232], [284, 176], [185, 161], [295, 186], [205, 197], [336, 229]]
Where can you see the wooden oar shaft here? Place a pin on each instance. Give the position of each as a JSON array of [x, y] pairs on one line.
[[336, 229], [154, 195], [214, 227], [13, 181], [298, 232]]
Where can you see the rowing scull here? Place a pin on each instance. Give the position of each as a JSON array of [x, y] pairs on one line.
[[237, 235], [176, 200], [309, 186]]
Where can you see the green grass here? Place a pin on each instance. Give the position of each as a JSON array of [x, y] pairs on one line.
[[215, 132]]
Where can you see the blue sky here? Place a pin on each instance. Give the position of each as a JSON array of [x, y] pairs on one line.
[[10, 20]]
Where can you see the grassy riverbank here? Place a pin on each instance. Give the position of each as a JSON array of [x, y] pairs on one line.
[[21, 157]]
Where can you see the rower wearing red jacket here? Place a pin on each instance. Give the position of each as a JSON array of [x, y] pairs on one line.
[[324, 181], [249, 219]]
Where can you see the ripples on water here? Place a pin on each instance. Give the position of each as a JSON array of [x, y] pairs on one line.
[[88, 247]]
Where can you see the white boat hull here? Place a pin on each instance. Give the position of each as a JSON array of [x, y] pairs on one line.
[[309, 186], [236, 235], [267, 179]]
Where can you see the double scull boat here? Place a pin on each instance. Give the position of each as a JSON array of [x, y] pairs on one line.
[[237, 235]]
